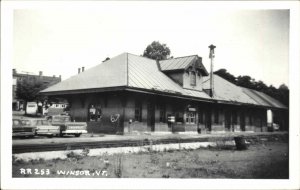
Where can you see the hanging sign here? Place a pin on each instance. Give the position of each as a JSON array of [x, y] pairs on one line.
[[171, 119], [192, 109]]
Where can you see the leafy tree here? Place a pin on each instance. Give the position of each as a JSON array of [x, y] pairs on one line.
[[224, 74], [260, 86], [157, 51], [284, 94], [28, 91], [245, 81], [283, 87], [281, 94]]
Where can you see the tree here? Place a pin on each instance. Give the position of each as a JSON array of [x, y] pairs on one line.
[[245, 81], [224, 74], [284, 94], [260, 86], [28, 91], [281, 94], [157, 51]]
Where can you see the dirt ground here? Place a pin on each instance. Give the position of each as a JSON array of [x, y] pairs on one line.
[[264, 160]]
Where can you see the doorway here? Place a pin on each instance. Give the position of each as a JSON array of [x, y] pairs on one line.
[[227, 121], [150, 116], [208, 119], [242, 122]]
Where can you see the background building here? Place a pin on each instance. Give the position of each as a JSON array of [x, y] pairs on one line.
[[48, 81]]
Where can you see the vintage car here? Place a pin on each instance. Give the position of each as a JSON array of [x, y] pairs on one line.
[[45, 128], [23, 128], [67, 127]]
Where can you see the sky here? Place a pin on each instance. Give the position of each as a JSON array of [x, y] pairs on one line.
[[58, 41]]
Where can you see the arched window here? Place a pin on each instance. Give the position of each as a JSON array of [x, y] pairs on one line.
[[193, 78]]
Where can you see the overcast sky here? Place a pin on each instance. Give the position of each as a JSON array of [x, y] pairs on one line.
[[58, 41]]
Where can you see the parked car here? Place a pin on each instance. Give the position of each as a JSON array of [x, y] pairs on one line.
[[31, 108], [67, 127], [45, 128], [23, 128]]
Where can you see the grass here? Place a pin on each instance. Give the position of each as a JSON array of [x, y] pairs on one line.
[[260, 161]]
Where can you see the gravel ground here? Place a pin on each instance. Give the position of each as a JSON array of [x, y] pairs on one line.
[[262, 160]]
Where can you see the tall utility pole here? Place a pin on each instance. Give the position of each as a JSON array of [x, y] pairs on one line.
[[211, 56]]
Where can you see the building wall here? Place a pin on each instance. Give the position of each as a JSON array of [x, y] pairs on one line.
[[183, 78], [177, 77], [187, 81], [124, 105]]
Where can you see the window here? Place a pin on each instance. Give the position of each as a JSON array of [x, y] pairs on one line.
[[193, 78], [162, 113], [190, 118], [216, 118], [179, 117], [138, 111]]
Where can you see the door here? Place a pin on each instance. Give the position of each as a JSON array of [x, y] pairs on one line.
[[227, 120], [242, 122], [208, 119], [150, 116]]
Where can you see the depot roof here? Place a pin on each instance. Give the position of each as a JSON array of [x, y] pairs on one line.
[[124, 71], [131, 72]]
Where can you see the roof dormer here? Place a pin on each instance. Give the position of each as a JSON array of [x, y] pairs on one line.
[[186, 71]]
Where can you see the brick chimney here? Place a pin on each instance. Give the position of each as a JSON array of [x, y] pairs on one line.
[[82, 69], [78, 70], [41, 73], [14, 71]]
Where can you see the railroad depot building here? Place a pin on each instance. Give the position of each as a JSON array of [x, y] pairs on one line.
[[131, 93]]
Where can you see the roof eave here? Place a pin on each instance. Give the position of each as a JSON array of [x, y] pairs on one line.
[[172, 70], [81, 91], [150, 91]]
